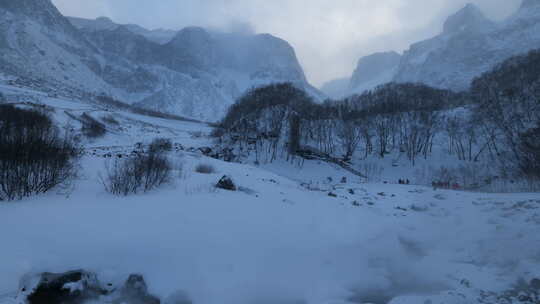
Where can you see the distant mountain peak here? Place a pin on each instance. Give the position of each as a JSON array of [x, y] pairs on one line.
[[34, 8], [468, 18], [104, 19], [191, 35]]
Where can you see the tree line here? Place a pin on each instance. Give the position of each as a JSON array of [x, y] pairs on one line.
[[498, 120]]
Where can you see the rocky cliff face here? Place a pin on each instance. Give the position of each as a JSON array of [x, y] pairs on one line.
[[193, 72], [470, 45], [373, 71], [160, 36], [37, 42]]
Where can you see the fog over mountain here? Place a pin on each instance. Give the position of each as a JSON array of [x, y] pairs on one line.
[[195, 72], [329, 37]]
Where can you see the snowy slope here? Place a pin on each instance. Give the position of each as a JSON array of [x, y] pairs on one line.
[[280, 239], [470, 45], [53, 53]]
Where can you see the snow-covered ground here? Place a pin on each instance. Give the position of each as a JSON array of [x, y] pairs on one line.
[[292, 234]]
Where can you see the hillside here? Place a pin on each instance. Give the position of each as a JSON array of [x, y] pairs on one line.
[[194, 72], [364, 243], [469, 46]]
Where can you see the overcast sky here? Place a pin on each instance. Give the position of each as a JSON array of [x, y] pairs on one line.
[[329, 36]]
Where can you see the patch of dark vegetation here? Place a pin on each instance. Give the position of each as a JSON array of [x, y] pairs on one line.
[[205, 169], [92, 128], [160, 145], [508, 99], [34, 157], [141, 173], [116, 104]]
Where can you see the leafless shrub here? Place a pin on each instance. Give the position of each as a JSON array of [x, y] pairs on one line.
[[160, 145], [34, 158], [205, 169], [142, 173]]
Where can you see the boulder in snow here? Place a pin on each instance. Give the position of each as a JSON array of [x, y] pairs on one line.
[[226, 183], [78, 287], [70, 287]]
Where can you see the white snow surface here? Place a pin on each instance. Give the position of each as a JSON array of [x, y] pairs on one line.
[[275, 240]]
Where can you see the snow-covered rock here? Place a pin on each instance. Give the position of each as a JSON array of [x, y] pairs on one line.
[[81, 286]]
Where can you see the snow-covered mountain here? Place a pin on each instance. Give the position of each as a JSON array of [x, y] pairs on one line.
[[470, 45], [160, 36], [194, 72], [37, 42], [336, 88], [374, 70], [371, 71]]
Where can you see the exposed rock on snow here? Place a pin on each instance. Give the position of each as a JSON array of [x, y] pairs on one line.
[[226, 183], [69, 287], [80, 286]]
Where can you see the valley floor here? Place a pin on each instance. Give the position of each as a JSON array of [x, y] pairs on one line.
[[280, 239]]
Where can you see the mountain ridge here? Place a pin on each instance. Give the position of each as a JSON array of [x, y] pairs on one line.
[[374, 70], [469, 45], [191, 77]]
